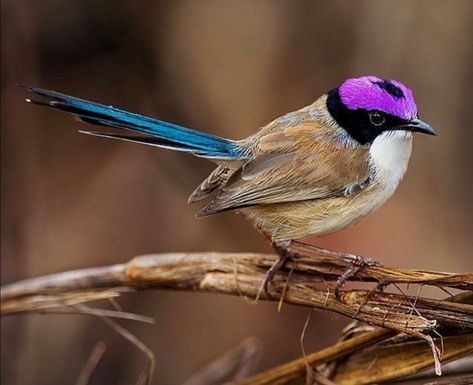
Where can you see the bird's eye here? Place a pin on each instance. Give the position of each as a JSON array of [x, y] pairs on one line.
[[376, 118]]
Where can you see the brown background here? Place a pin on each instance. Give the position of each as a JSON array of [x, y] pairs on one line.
[[228, 67]]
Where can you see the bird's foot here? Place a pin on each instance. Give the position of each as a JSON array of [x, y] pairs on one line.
[[286, 251], [357, 264], [283, 255]]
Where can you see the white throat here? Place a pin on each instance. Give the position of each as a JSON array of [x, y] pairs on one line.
[[390, 153]]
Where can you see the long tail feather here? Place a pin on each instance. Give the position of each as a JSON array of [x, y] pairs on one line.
[[160, 134], [147, 140]]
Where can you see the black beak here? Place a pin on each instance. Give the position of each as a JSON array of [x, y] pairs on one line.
[[417, 125]]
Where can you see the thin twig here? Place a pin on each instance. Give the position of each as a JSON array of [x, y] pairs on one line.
[[284, 290], [135, 341], [309, 379], [87, 310], [91, 364]]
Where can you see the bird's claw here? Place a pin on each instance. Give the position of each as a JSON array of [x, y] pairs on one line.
[[357, 264]]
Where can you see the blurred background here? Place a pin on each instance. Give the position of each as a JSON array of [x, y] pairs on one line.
[[70, 201]]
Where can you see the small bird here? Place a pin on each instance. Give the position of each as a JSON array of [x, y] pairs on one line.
[[310, 172]]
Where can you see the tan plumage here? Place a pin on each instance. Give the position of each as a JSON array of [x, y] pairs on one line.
[[303, 178]]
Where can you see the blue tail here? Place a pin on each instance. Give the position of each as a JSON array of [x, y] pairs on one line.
[[159, 133]]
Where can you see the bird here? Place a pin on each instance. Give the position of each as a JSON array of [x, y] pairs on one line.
[[311, 172]]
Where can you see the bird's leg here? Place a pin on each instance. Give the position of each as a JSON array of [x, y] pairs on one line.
[[283, 256], [357, 264], [282, 249]]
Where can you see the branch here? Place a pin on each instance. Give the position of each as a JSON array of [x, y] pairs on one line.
[[456, 381], [323, 262], [368, 362], [307, 281], [242, 274]]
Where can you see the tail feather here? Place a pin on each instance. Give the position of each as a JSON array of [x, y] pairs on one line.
[[159, 133], [146, 140]]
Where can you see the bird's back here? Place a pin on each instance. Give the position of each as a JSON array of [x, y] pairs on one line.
[[305, 176]]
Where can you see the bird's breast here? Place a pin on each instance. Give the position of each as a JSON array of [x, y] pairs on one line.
[[390, 153]]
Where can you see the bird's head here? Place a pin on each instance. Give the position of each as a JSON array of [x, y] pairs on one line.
[[368, 106]]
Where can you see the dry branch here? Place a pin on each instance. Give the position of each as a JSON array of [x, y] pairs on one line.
[[456, 381], [242, 274], [316, 260], [390, 361], [295, 371], [310, 284], [368, 361]]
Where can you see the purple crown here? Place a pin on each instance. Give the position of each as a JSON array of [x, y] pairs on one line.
[[372, 93]]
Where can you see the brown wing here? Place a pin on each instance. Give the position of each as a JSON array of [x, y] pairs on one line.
[[294, 163], [215, 180]]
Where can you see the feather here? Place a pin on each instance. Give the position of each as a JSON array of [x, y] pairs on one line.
[[214, 181], [264, 163], [166, 135], [146, 140], [294, 163]]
